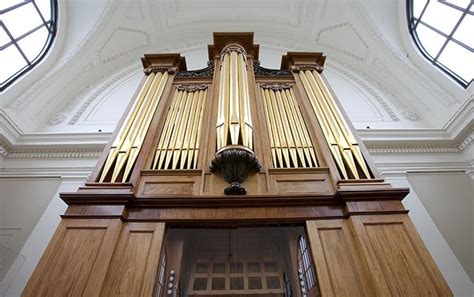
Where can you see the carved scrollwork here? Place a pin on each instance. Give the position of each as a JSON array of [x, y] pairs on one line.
[[297, 68], [156, 69], [191, 88], [235, 163], [205, 72], [275, 86], [237, 49], [259, 70]]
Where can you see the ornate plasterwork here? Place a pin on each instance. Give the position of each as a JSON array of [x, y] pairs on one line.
[[358, 50], [52, 153], [3, 150], [64, 113], [141, 39], [406, 112], [366, 87]]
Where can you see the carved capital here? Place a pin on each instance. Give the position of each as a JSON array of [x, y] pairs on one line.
[[191, 88], [231, 49], [298, 68], [156, 69], [275, 86]]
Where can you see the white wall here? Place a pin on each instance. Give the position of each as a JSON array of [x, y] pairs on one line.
[[449, 199]]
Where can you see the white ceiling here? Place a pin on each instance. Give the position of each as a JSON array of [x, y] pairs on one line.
[[100, 42]]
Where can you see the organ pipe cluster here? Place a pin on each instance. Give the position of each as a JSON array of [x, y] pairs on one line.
[[290, 144], [128, 142], [344, 147], [234, 122], [178, 147]]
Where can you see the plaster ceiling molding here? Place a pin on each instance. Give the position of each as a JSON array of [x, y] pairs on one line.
[[134, 11], [55, 153], [382, 70], [64, 112], [466, 141], [407, 113], [345, 39], [3, 150], [417, 149], [362, 83], [331, 9], [51, 102], [283, 14], [100, 90], [357, 96], [411, 73], [31, 93], [121, 42], [109, 106]]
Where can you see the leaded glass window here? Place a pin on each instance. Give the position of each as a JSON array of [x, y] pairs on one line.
[[27, 30], [444, 32]]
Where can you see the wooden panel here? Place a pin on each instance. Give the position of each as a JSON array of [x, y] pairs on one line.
[[76, 260], [134, 265], [171, 187], [398, 257], [221, 215], [340, 268], [301, 181], [170, 182]]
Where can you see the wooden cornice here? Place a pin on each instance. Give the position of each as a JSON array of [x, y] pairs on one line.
[[303, 60], [222, 39], [164, 62]]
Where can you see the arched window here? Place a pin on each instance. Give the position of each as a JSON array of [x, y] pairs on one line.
[[443, 31], [27, 30]]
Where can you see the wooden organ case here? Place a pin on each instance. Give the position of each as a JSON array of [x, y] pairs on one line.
[[236, 145]]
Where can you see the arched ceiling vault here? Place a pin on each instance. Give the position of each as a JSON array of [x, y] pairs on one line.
[[370, 56]]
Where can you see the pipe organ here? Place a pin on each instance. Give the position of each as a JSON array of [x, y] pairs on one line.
[[240, 180]]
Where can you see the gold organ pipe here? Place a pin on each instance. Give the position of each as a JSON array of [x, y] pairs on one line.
[[166, 128], [139, 137], [246, 119], [280, 129], [177, 134], [223, 109], [354, 146], [178, 145], [188, 128], [328, 134], [126, 146], [198, 137], [126, 127], [308, 147], [234, 123], [294, 129], [291, 143], [287, 131], [170, 129], [177, 149], [276, 132], [330, 118], [234, 100], [270, 129]]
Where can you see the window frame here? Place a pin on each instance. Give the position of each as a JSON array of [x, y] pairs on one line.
[[51, 25], [413, 22], [306, 265]]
